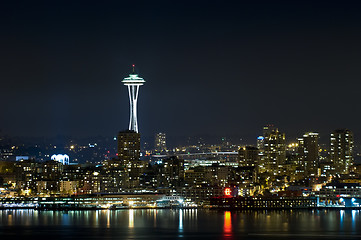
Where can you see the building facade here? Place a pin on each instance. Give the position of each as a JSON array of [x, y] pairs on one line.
[[341, 153], [160, 143], [308, 153], [129, 156], [274, 149]]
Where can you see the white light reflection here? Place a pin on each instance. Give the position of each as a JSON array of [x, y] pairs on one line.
[[155, 217], [108, 218], [131, 218], [180, 227]]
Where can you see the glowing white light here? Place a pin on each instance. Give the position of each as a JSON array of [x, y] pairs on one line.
[[62, 158], [133, 82]]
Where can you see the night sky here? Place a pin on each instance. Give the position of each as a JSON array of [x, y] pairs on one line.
[[211, 67]]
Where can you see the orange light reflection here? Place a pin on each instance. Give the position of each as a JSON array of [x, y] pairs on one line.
[[227, 227]]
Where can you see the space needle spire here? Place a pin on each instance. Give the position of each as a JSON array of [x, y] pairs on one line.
[[133, 82]]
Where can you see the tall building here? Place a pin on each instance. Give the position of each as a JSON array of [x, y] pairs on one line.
[[274, 149], [129, 146], [160, 142], [129, 156], [261, 157], [173, 171], [260, 143], [308, 154], [133, 82], [248, 156], [342, 150]]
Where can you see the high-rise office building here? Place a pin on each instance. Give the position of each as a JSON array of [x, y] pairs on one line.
[[261, 157], [308, 154], [342, 150], [248, 156], [133, 82], [129, 156], [128, 146], [260, 143], [274, 149], [160, 142]]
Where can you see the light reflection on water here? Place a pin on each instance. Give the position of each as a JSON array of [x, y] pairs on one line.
[[227, 227], [131, 218], [186, 223]]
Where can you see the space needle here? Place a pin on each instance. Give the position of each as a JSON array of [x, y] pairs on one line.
[[133, 82]]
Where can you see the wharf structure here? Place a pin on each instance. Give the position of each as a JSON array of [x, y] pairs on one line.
[[261, 203], [94, 201]]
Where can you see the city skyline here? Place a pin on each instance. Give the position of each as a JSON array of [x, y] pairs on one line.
[[246, 125], [295, 66]]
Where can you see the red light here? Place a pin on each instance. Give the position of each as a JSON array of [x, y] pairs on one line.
[[227, 191], [337, 195]]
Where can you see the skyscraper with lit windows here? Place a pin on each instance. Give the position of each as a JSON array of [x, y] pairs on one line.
[[308, 154], [160, 142], [342, 150], [129, 156], [274, 149]]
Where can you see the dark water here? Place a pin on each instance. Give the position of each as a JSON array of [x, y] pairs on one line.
[[179, 224]]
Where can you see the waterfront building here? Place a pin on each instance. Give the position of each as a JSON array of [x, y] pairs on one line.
[[199, 194], [264, 202], [334, 193], [342, 150]]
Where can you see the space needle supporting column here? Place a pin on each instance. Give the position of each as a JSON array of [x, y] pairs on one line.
[[133, 82]]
